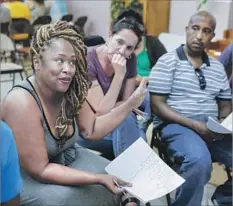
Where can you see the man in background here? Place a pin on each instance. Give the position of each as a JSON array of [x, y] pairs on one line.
[[187, 87]]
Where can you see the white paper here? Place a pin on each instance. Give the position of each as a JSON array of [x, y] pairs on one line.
[[222, 128], [151, 177], [227, 123]]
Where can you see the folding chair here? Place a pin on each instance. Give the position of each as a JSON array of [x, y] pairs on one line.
[[11, 63], [11, 68], [161, 146]]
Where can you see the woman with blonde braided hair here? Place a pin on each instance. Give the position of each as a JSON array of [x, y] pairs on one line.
[[46, 113]]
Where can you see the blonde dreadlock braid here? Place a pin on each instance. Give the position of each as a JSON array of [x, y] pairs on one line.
[[77, 91]]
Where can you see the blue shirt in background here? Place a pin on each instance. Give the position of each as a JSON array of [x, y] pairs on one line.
[[226, 56], [11, 182], [58, 9], [226, 59]]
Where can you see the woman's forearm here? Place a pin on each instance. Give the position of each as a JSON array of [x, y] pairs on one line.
[[110, 98], [138, 80], [111, 119], [63, 175]]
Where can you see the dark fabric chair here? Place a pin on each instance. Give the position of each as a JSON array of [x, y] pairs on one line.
[[5, 28], [67, 17], [93, 40], [42, 20], [80, 23], [161, 146], [20, 31], [20, 26]]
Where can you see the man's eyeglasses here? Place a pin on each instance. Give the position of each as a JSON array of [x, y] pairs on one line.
[[201, 78]]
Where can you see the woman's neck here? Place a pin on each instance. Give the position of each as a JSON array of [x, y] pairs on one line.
[[140, 46], [106, 64], [102, 53], [46, 94]]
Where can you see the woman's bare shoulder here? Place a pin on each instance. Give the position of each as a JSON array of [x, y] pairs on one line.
[[19, 100]]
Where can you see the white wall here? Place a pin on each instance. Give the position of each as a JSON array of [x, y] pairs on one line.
[[181, 11], [98, 13], [230, 25]]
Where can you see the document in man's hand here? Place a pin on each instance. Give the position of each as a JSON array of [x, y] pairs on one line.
[[151, 177], [222, 128]]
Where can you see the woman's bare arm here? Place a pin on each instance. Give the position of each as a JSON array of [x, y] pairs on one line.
[[95, 127], [129, 89], [104, 103], [21, 112]]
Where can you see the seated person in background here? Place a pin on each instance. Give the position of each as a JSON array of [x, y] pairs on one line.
[[226, 59], [52, 104], [4, 14], [11, 183], [37, 9], [148, 52], [112, 70], [18, 9], [187, 86]]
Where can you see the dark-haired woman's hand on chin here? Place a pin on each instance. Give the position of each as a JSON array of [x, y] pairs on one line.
[[109, 181], [119, 65], [136, 99]]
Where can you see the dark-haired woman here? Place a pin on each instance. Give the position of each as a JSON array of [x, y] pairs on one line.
[[112, 70], [148, 51]]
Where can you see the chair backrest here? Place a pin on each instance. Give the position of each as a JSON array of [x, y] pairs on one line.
[[20, 26], [6, 43], [42, 20], [5, 28], [93, 40], [80, 23], [171, 41], [67, 17]]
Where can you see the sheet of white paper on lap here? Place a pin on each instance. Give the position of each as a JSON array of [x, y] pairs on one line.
[[150, 176], [222, 128]]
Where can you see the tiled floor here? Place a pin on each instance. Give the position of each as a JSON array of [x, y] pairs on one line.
[[218, 176]]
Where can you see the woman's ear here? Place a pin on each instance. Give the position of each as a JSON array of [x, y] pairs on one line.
[[110, 33], [109, 37], [36, 63]]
